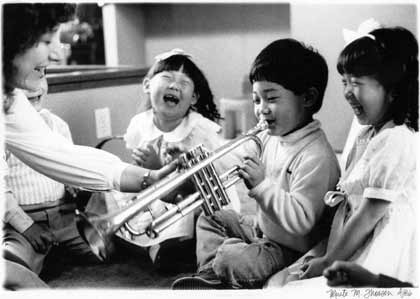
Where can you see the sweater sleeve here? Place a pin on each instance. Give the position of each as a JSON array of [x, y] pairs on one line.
[[298, 209]]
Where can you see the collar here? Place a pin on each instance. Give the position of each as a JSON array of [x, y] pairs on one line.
[[370, 132], [151, 132], [301, 133]]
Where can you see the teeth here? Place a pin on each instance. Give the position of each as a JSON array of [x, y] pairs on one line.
[[171, 98], [357, 110]]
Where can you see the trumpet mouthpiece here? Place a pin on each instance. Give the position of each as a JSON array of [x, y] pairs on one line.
[[262, 124]]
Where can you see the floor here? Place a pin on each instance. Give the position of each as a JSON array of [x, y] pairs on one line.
[[127, 270], [130, 268]]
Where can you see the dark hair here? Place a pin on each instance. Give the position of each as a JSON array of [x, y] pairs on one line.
[[23, 25], [205, 104], [391, 58], [293, 65]]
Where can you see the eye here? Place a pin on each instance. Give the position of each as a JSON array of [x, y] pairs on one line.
[[256, 100], [186, 83], [166, 76], [272, 99], [46, 41]]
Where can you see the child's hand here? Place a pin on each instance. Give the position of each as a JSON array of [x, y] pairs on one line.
[[146, 157], [342, 273], [252, 172], [172, 152], [314, 267]]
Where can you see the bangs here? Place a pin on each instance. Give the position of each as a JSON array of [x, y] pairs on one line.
[[293, 81], [174, 63], [360, 58], [262, 73]]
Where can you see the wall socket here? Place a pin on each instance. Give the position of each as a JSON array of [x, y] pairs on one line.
[[103, 123]]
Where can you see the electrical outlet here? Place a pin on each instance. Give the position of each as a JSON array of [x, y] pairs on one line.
[[103, 123]]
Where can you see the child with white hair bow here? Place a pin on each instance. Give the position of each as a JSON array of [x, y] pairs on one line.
[[375, 223], [181, 114]]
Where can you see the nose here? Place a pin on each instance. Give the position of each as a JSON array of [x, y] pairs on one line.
[[174, 85], [264, 109], [261, 109], [348, 90]]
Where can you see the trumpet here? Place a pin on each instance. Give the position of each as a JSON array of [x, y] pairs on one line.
[[97, 231]]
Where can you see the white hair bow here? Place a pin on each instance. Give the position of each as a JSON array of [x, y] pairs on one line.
[[172, 52], [362, 31]]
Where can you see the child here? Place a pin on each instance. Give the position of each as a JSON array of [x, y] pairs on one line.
[[181, 114], [43, 215], [374, 225], [297, 168]]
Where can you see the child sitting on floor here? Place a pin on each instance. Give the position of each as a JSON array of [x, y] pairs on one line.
[[297, 167], [181, 115]]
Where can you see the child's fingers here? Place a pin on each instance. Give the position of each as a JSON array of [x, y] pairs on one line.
[[252, 161], [138, 159], [242, 173], [304, 268], [143, 151], [141, 154], [149, 148]]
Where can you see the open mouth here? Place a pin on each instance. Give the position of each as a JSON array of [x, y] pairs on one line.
[[170, 98], [270, 122], [357, 108]]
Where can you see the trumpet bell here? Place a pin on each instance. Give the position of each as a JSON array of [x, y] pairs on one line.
[[94, 232]]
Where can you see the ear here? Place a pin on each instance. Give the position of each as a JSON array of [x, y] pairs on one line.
[[310, 97], [146, 85], [195, 98]]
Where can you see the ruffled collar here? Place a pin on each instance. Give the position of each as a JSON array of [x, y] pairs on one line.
[[151, 132]]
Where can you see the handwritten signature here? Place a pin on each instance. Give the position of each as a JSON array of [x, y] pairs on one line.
[[339, 293]]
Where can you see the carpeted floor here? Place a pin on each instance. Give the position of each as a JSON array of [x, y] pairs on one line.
[[126, 270], [130, 268]]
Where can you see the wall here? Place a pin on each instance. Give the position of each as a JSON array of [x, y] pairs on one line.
[[77, 109], [223, 38], [321, 25], [123, 35]]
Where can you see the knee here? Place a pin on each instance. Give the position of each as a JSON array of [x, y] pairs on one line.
[[228, 257]]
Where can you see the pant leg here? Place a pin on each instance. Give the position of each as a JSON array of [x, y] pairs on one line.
[[17, 245], [249, 265], [62, 222], [18, 277], [212, 231]]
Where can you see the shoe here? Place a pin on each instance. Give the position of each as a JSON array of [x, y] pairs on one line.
[[201, 281], [197, 283], [174, 256]]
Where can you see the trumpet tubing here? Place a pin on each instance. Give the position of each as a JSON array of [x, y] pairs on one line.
[[97, 231]]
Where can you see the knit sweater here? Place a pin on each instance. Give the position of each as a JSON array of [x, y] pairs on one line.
[[299, 169]]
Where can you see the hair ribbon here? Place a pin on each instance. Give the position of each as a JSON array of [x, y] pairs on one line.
[[362, 31], [171, 53]]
